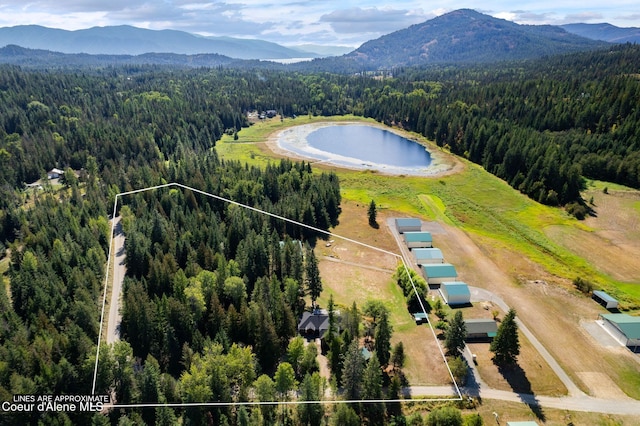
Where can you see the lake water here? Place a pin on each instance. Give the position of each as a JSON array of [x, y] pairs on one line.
[[369, 145], [357, 146]]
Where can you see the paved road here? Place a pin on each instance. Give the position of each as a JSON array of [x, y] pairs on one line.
[[119, 269]]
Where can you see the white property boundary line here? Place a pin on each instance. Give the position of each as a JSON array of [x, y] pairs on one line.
[[202, 404]]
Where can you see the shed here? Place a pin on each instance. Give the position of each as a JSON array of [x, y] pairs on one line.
[[420, 317], [526, 423], [428, 255], [481, 328], [408, 225], [313, 325], [624, 327], [418, 239], [437, 273], [455, 293], [604, 299]]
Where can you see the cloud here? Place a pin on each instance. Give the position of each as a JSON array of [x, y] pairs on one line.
[[372, 20], [583, 17]]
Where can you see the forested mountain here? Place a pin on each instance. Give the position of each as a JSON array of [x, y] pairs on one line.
[[460, 37], [128, 40], [196, 266], [466, 36], [605, 32], [45, 59]]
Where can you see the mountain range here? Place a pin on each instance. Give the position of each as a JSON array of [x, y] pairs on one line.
[[128, 40], [461, 36]]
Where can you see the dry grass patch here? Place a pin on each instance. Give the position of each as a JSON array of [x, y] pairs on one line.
[[355, 273], [532, 375]]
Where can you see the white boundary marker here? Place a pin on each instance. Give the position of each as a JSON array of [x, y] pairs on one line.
[[215, 404]]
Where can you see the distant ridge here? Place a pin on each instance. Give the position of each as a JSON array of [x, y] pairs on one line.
[[605, 32], [38, 58], [128, 40], [467, 36]]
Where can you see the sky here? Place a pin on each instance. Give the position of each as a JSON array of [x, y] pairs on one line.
[[296, 22]]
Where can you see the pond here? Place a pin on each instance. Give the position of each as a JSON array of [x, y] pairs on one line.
[[357, 146]]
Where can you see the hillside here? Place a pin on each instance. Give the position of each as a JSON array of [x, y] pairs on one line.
[[466, 36], [605, 32], [128, 40]]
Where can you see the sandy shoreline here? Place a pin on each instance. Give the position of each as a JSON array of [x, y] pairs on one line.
[[292, 143]]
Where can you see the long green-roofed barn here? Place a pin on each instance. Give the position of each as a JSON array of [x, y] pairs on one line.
[[437, 273], [428, 255], [408, 224], [418, 239]]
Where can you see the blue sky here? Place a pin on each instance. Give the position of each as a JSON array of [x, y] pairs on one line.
[[292, 22]]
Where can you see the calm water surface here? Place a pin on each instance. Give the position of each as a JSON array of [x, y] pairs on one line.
[[369, 144]]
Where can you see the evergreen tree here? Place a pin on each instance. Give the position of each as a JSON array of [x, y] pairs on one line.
[[345, 416], [352, 369], [310, 390], [398, 355], [506, 345], [373, 215], [455, 335], [312, 279], [383, 339], [372, 390]]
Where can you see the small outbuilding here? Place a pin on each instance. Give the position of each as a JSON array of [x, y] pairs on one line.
[[437, 273], [408, 225], [481, 328], [604, 299], [419, 239], [428, 255], [313, 325], [54, 173], [625, 328], [526, 423], [455, 293], [420, 318]]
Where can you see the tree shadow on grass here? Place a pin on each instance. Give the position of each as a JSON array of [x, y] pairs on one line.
[[517, 379]]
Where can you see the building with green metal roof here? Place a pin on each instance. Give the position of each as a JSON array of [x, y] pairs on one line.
[[418, 239], [455, 293], [624, 327], [437, 273], [481, 328], [428, 255], [407, 224]]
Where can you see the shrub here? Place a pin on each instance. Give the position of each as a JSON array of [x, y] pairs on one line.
[[583, 285]]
